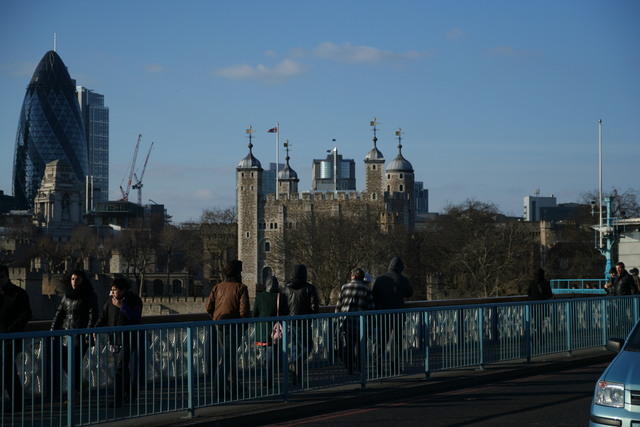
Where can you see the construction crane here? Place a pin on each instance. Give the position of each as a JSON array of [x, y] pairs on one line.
[[138, 183], [129, 177]]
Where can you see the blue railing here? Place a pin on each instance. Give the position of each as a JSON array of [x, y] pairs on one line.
[[77, 377], [578, 286]]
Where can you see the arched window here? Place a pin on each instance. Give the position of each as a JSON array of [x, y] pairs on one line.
[[267, 246], [401, 187], [373, 196], [158, 288], [177, 287]]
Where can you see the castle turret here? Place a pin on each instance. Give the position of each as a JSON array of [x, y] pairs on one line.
[[374, 168], [250, 215], [400, 182], [287, 177]]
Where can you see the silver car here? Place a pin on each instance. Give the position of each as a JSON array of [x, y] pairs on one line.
[[616, 400]]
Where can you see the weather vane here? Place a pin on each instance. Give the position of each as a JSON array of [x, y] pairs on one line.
[[399, 135], [249, 132], [374, 123]]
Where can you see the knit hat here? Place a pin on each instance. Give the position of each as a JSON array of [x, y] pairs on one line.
[[233, 269]]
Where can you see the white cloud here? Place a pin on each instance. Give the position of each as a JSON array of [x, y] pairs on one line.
[[154, 68], [455, 34], [285, 69], [271, 53], [351, 54]]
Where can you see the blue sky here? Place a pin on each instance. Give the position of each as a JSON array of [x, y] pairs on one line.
[[496, 98]]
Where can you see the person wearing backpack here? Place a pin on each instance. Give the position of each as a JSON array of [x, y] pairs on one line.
[[302, 298], [270, 303]]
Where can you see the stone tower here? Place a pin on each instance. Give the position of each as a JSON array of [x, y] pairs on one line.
[[58, 203], [250, 216], [287, 177], [400, 180], [374, 168]]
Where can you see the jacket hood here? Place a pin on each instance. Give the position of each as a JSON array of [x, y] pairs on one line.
[[299, 275], [272, 285], [396, 265]]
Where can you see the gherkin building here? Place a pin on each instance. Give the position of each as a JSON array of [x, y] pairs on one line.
[[50, 128]]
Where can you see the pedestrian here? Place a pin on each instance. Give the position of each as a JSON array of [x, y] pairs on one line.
[[354, 296], [636, 280], [128, 348], [15, 312], [623, 283], [608, 287], [269, 303], [539, 286], [389, 291], [77, 310], [302, 298], [228, 300]]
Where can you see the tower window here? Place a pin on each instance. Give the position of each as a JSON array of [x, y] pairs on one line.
[[373, 167], [401, 187], [388, 176], [401, 176], [247, 234], [251, 174], [388, 188], [373, 196], [242, 188], [252, 188], [267, 246], [242, 174]]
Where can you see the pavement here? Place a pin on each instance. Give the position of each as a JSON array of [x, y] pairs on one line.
[[314, 402]]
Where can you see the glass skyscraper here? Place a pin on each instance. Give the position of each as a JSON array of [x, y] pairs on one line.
[[96, 126], [50, 128]]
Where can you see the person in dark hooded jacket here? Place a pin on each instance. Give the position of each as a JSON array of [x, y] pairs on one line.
[[77, 310], [539, 286], [389, 291], [270, 303], [302, 298]]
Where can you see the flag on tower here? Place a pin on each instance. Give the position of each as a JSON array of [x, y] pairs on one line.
[[273, 130]]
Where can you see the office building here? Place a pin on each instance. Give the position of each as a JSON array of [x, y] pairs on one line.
[[95, 117], [269, 178], [533, 205], [50, 128], [333, 173]]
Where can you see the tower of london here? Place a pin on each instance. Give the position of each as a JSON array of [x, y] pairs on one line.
[[264, 219]]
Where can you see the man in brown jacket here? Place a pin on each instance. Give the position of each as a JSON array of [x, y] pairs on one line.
[[228, 300]]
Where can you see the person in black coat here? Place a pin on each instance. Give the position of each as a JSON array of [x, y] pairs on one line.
[[15, 312], [623, 283], [539, 286], [302, 298], [389, 291], [121, 309], [77, 310], [270, 303]]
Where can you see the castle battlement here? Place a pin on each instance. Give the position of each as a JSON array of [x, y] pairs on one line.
[[341, 195]]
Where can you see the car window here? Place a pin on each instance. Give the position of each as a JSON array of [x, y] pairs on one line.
[[633, 343]]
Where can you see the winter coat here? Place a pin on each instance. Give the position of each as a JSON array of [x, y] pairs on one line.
[[354, 296], [77, 310], [15, 310], [623, 284], [266, 304], [539, 286], [129, 314], [302, 297], [390, 289], [228, 300]]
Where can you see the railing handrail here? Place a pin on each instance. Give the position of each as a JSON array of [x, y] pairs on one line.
[[251, 320]]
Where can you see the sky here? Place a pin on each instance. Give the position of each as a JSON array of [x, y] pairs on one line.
[[496, 99]]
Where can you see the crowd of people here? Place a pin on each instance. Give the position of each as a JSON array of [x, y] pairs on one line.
[[622, 282], [228, 299], [78, 309]]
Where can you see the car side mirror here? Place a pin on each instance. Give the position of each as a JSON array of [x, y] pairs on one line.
[[615, 344]]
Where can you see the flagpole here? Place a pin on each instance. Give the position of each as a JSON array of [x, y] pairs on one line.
[[277, 156]]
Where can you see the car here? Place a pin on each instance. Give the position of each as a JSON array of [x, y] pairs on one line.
[[616, 399]]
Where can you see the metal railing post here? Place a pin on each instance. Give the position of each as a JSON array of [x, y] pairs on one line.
[[605, 321], [71, 379], [285, 360], [635, 309], [363, 355], [427, 338], [481, 336], [190, 391], [567, 313], [527, 331]]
